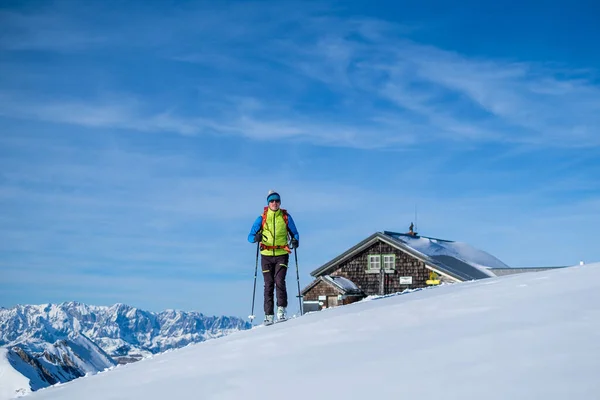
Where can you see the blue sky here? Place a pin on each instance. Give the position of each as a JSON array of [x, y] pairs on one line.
[[138, 141]]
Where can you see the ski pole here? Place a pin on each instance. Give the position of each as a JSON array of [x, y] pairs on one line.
[[298, 280], [254, 291]]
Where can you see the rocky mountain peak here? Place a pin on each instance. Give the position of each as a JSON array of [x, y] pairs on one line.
[[60, 342]]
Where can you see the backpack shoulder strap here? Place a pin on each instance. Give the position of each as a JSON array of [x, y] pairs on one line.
[[264, 217], [286, 219], [285, 216]]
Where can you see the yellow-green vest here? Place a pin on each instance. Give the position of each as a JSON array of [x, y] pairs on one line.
[[275, 233]]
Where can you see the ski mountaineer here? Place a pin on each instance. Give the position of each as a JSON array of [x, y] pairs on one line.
[[271, 230]]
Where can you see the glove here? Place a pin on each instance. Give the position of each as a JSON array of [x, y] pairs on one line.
[[258, 237], [294, 244]]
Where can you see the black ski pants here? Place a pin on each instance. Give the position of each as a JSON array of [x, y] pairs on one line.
[[274, 269]]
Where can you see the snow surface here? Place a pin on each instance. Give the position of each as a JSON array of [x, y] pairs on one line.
[[12, 382], [526, 336]]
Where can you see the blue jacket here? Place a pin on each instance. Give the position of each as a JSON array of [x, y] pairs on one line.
[[258, 224]]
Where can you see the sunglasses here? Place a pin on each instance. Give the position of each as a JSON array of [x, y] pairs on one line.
[[275, 201]]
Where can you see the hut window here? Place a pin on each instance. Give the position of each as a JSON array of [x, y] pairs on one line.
[[389, 261], [375, 262]]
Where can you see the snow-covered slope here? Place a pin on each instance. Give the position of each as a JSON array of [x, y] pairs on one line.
[[529, 336], [12, 382]]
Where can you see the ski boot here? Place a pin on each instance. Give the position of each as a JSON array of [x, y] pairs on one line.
[[281, 314], [269, 319]]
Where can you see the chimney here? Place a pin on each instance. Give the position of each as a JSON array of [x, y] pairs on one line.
[[410, 230]]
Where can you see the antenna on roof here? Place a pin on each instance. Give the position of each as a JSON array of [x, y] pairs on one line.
[[416, 227]]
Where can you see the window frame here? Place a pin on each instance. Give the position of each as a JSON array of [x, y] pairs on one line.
[[380, 262], [370, 263], [393, 267]]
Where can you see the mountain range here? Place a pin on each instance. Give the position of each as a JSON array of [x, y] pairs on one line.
[[54, 343]]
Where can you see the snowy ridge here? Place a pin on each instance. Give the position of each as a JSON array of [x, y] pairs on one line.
[[526, 336], [86, 355]]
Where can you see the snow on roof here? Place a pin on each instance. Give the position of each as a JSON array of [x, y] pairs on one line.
[[438, 247], [343, 283]]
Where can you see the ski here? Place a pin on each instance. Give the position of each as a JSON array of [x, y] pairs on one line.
[[265, 323]]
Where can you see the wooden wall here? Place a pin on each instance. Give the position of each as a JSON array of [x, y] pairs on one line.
[[406, 265], [320, 289], [325, 289]]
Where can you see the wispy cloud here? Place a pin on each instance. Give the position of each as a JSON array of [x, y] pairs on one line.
[[533, 103], [126, 112], [455, 96], [356, 66]]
